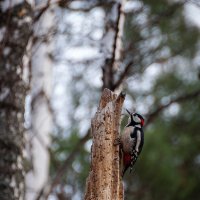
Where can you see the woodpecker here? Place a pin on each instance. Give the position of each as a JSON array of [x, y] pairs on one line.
[[131, 140]]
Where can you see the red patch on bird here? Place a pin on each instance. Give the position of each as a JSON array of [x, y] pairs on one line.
[[142, 122], [127, 159]]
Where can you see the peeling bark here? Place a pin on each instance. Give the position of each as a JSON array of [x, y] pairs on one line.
[[104, 181]]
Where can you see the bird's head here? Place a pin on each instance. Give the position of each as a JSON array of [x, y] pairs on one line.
[[135, 119]]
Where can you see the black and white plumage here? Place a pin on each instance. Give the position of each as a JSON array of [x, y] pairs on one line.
[[132, 140]]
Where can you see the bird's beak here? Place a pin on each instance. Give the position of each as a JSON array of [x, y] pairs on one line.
[[128, 111], [129, 114]]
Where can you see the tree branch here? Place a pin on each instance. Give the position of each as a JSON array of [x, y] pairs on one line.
[[114, 29], [42, 11], [181, 98], [117, 45], [65, 3], [123, 75]]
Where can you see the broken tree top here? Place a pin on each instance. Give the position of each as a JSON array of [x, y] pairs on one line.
[[104, 180]]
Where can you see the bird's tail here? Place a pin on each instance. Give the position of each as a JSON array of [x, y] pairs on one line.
[[124, 170], [127, 166]]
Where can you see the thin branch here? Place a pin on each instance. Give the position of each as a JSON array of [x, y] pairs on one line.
[[64, 3], [42, 11], [181, 98], [123, 75], [118, 36]]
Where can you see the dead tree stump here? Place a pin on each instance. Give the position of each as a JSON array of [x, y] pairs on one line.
[[104, 180]]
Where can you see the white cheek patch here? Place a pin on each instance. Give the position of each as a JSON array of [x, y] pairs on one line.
[[136, 119]]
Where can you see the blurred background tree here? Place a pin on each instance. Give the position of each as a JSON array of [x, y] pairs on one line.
[[160, 55], [159, 70], [15, 32]]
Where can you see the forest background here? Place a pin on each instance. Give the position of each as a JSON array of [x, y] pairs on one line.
[[54, 65]]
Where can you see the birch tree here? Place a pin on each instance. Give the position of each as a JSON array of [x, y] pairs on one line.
[[15, 31], [41, 112]]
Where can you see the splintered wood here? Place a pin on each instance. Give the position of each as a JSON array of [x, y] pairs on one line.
[[104, 180]]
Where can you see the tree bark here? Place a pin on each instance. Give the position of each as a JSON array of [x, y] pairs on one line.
[[112, 42], [104, 181], [15, 31], [41, 112]]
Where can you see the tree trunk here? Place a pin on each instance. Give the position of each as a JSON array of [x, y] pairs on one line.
[[112, 42], [41, 112], [104, 181], [15, 29]]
